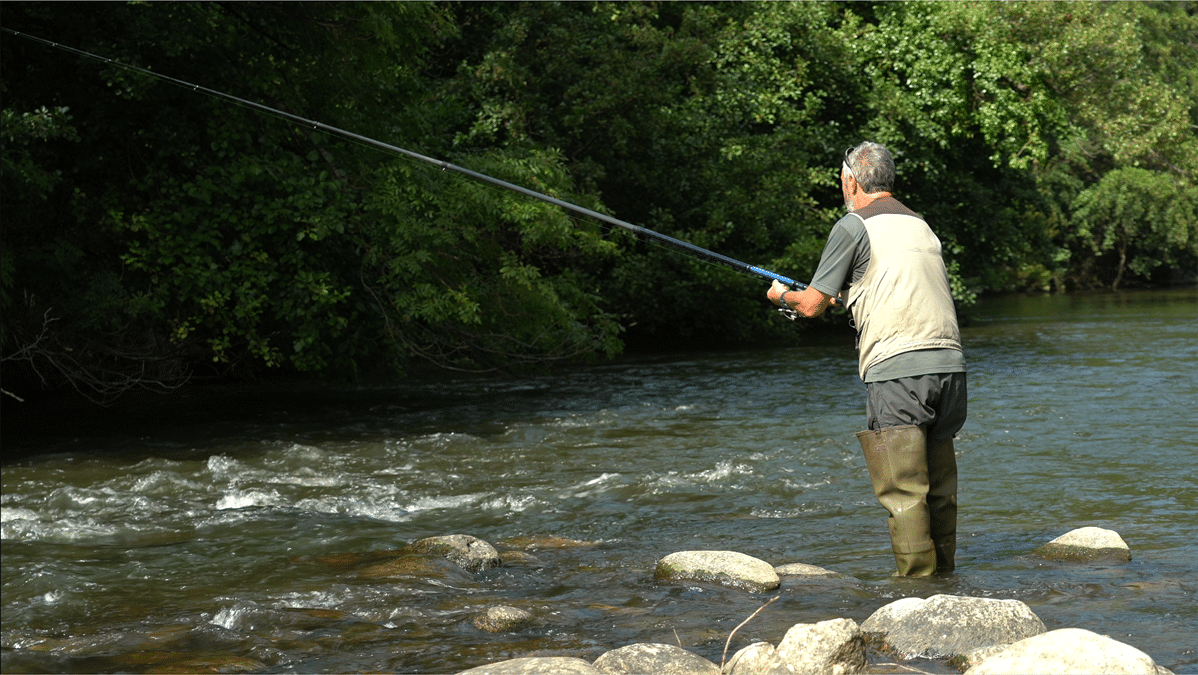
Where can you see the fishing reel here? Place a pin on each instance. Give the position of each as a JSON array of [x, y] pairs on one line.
[[788, 313]]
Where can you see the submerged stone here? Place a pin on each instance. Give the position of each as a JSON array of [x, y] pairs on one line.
[[470, 553], [546, 542], [408, 566], [536, 665], [726, 568], [502, 619], [168, 662], [520, 559], [804, 570]]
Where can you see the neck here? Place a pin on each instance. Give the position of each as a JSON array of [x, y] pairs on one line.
[[862, 199]]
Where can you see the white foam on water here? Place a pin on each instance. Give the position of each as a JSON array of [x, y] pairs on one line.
[[15, 514], [230, 617], [723, 469], [220, 465], [510, 503], [597, 485], [385, 511], [65, 530], [396, 470], [171, 484], [244, 499], [445, 502]]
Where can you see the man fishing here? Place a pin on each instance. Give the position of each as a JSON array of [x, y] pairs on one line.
[[887, 261]]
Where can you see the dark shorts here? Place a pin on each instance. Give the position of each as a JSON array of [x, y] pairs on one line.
[[940, 402]]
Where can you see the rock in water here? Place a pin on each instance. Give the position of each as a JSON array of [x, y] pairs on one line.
[[502, 619], [804, 570], [1068, 651], [1087, 544], [828, 647], [945, 626], [470, 553], [727, 568], [659, 659], [536, 665], [754, 659]]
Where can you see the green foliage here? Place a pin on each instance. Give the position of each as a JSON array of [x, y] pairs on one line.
[[472, 277], [27, 182], [1048, 144], [1145, 218]]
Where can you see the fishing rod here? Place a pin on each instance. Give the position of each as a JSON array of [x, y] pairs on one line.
[[677, 244]]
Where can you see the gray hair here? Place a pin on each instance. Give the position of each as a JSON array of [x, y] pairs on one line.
[[872, 166]]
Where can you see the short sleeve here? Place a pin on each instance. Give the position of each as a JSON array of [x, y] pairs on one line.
[[845, 257]]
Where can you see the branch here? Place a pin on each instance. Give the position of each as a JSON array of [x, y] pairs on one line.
[[98, 372], [742, 623]]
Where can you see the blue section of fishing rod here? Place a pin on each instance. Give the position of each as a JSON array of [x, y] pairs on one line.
[[677, 244]]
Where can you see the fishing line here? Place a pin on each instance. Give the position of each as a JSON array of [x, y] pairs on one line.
[[641, 232]]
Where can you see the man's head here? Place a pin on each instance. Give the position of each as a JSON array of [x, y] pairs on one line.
[[868, 169]]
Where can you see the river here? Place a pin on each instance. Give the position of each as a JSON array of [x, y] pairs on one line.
[[208, 534]]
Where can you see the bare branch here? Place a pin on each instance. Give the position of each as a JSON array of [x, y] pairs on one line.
[[723, 659], [101, 373]]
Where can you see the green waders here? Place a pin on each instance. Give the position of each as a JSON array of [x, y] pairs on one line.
[[942, 502], [922, 506]]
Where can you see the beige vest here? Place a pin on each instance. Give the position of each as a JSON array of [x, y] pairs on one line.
[[903, 302]]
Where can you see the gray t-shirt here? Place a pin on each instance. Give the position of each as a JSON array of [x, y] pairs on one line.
[[843, 263]]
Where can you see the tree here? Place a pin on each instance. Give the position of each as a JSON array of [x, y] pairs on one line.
[[1145, 218], [202, 232], [712, 123]]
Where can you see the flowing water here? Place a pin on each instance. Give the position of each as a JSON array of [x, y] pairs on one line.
[[224, 534]]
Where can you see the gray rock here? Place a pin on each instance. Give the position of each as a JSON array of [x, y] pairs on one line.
[[660, 659], [832, 647], [751, 660], [536, 665], [727, 568], [1066, 651], [412, 565], [947, 626], [963, 662], [470, 553], [802, 570], [502, 619], [520, 559], [887, 617], [1087, 544]]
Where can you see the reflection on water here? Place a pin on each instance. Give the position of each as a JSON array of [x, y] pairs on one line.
[[229, 534]]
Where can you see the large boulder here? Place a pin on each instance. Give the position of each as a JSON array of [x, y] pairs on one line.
[[1068, 651], [946, 626], [1087, 544], [470, 553], [727, 568], [536, 665], [660, 659], [832, 647]]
